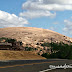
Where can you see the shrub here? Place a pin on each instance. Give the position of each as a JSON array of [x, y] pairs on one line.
[[63, 51], [9, 40], [3, 38], [45, 44], [29, 49]]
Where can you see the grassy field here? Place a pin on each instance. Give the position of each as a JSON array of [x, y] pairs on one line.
[[18, 55]]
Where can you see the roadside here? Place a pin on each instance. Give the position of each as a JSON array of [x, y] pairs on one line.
[[19, 55], [30, 65]]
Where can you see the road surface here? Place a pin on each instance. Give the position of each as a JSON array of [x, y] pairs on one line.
[[30, 65]]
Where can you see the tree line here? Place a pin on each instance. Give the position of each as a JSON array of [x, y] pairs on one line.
[[59, 50]]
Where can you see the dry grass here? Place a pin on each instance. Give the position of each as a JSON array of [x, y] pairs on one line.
[[18, 55]]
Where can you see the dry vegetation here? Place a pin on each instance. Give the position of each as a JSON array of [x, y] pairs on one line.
[[18, 55], [32, 37]]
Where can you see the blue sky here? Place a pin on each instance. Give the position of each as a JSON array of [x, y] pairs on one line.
[[55, 15], [11, 6]]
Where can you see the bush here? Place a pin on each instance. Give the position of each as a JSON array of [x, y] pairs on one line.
[[20, 43], [36, 49], [63, 51], [10, 40], [3, 38], [29, 49], [46, 44]]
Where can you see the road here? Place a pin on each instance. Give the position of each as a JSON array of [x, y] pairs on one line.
[[30, 65]]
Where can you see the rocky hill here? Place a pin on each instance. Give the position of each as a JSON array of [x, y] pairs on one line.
[[33, 36]]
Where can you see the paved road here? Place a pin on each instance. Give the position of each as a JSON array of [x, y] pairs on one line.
[[30, 65], [61, 70]]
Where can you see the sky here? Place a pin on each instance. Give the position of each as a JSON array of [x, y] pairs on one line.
[[55, 15]]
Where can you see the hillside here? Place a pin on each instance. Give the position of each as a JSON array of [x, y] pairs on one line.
[[34, 37], [31, 35], [18, 55]]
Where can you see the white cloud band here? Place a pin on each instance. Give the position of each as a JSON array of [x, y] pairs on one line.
[[34, 14], [11, 20], [68, 27], [38, 8]]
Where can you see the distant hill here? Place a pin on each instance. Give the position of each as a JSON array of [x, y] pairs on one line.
[[33, 37]]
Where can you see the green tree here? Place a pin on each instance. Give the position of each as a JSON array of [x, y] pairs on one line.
[[61, 50]]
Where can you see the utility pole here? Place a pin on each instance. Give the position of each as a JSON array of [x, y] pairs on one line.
[[51, 45]]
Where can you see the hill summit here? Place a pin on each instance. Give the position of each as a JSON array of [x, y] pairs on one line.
[[31, 35]]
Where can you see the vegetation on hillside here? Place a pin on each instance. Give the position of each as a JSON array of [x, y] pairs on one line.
[[29, 49], [60, 50], [15, 45], [9, 40]]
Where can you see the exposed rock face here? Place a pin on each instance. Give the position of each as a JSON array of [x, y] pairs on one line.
[[33, 36]]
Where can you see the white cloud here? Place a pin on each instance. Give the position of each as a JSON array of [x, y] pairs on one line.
[[34, 14], [11, 20], [34, 7], [68, 27], [57, 1], [56, 5]]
